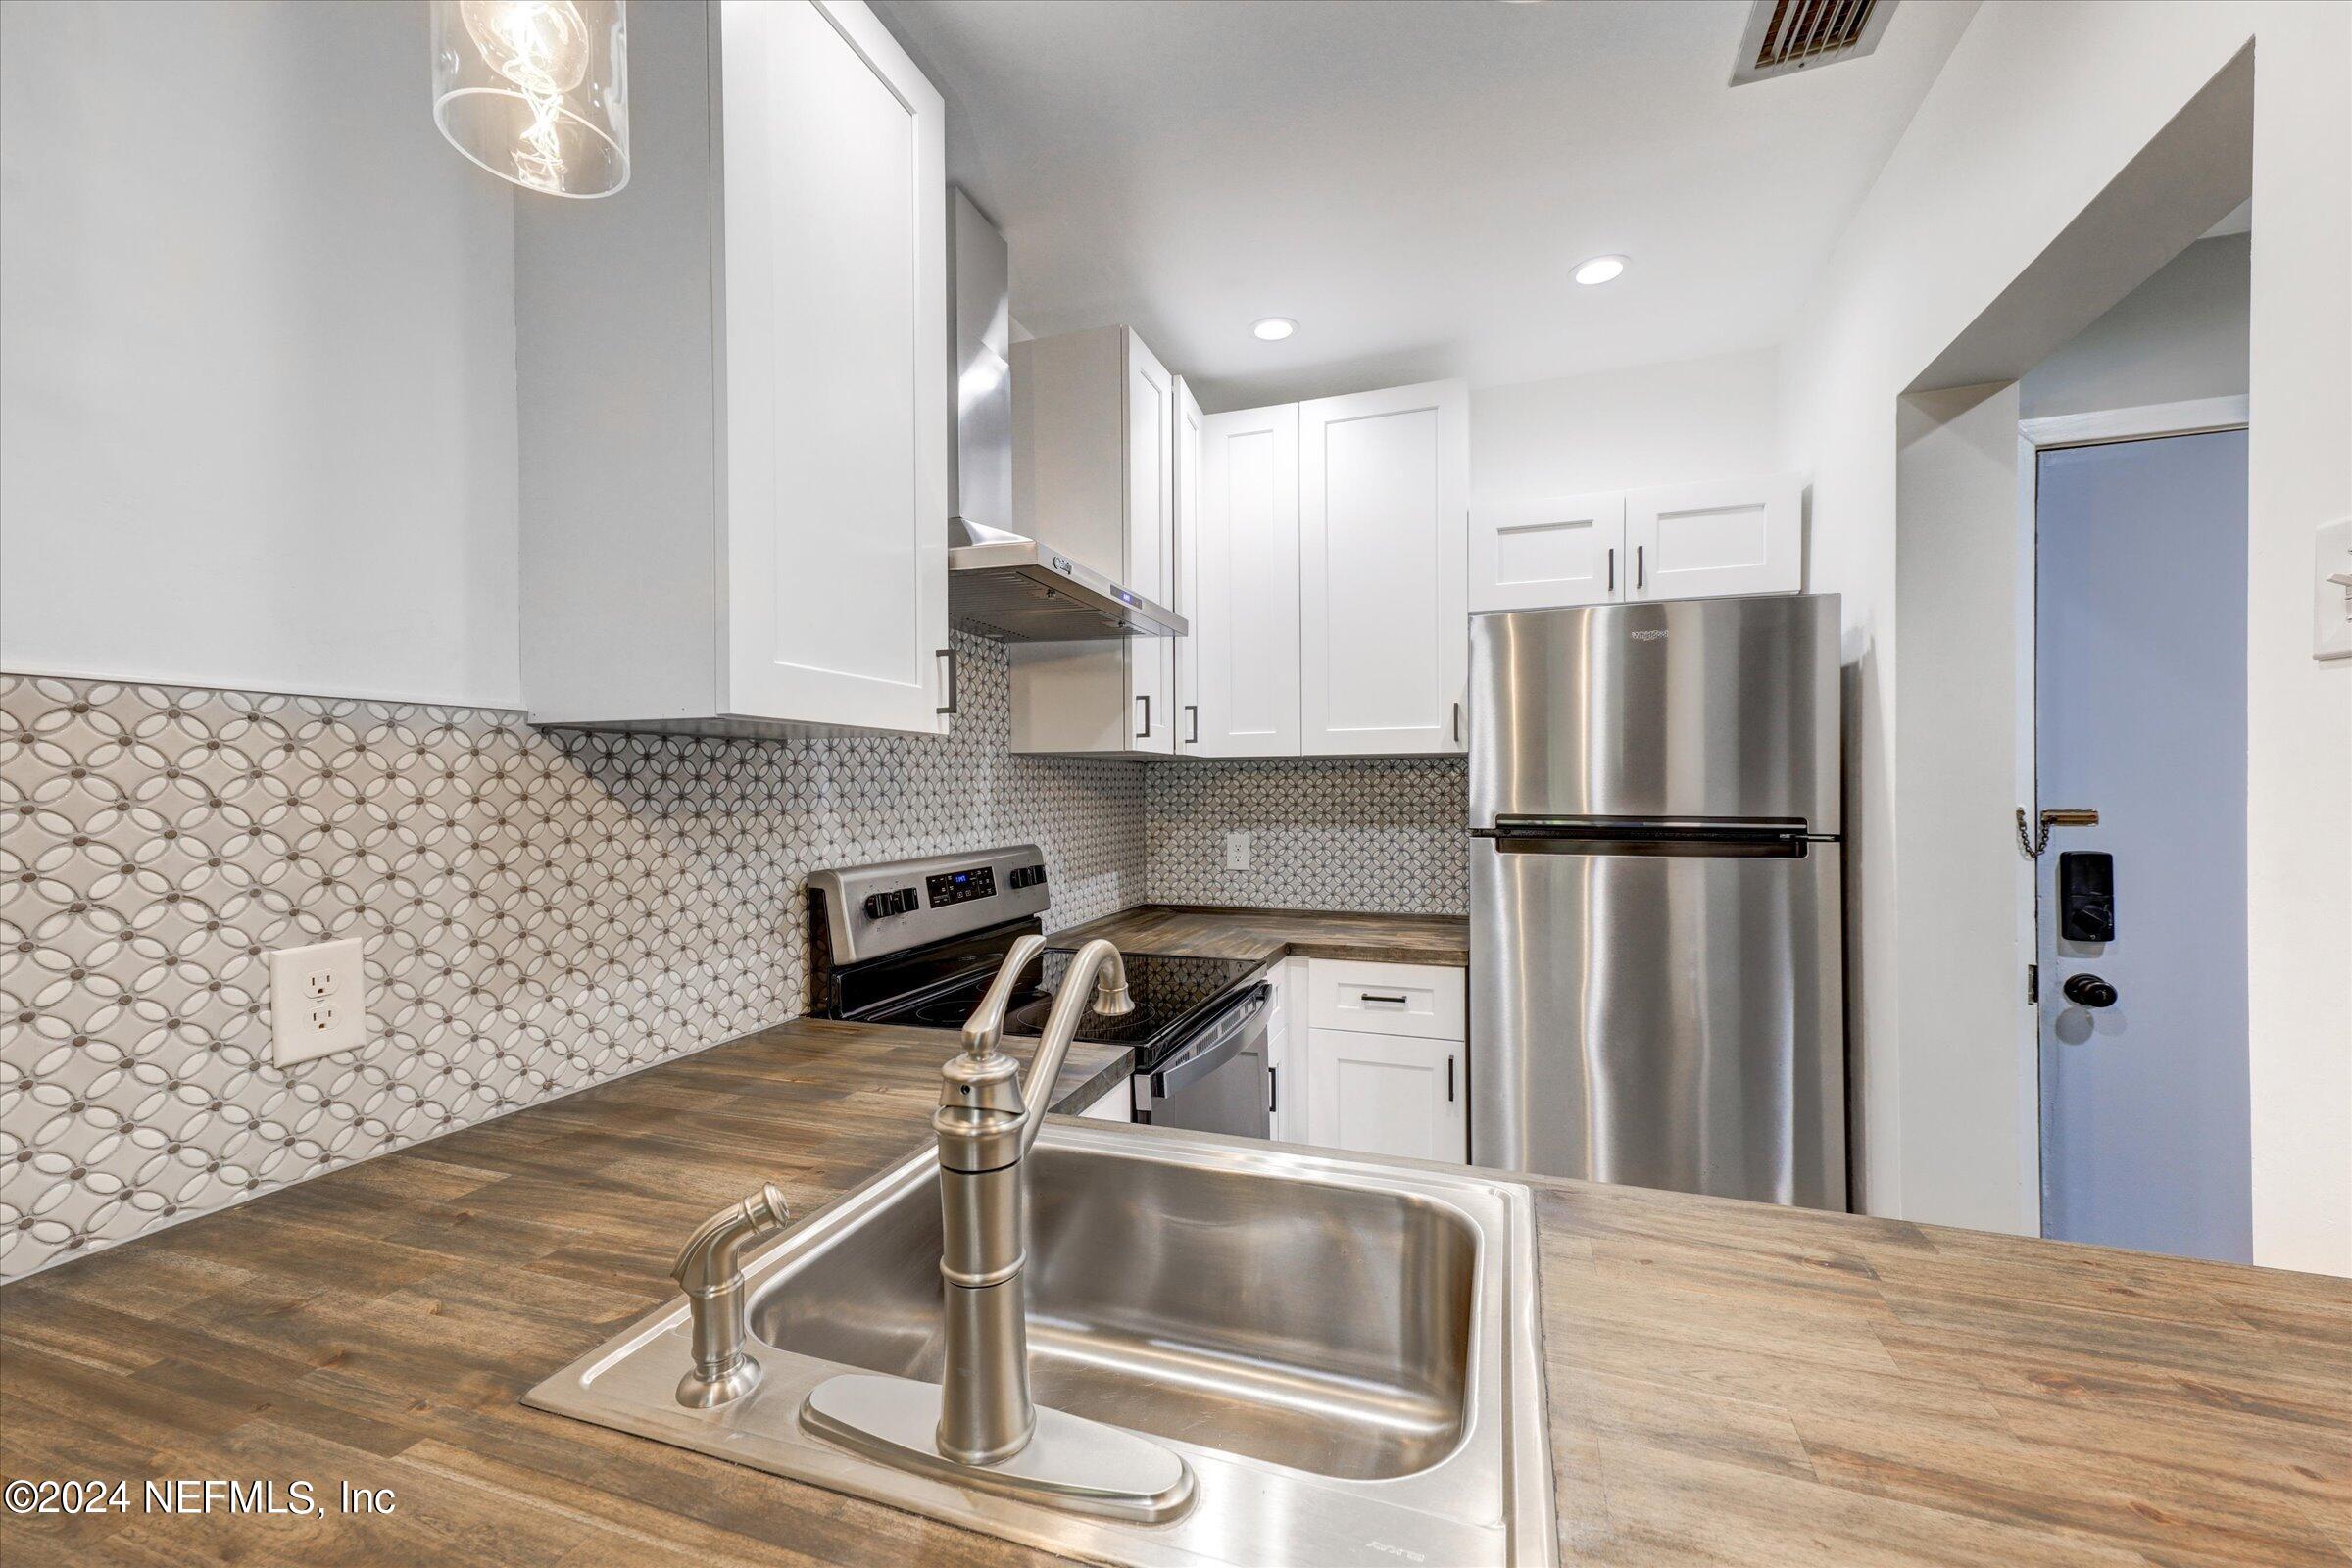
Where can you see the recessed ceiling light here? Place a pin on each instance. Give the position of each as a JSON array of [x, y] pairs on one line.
[[1274, 328], [1599, 269]]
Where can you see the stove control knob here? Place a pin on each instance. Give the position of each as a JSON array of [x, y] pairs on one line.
[[902, 902], [877, 904]]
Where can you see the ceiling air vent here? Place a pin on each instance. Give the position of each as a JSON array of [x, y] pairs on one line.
[[1786, 36]]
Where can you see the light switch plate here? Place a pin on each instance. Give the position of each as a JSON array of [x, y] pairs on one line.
[[318, 1001], [1236, 852], [2332, 610]]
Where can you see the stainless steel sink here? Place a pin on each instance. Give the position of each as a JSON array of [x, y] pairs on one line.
[[1346, 1353]]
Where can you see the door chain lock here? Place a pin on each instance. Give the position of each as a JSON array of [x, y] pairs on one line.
[[2034, 842]]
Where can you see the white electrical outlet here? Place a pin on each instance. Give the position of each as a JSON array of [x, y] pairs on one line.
[[1236, 852], [318, 1003]]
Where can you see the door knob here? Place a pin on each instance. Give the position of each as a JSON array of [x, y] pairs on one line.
[[2089, 991]]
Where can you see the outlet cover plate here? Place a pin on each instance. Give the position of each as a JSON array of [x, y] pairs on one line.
[[318, 1003], [1236, 852]]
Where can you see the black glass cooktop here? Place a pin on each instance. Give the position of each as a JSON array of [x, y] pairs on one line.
[[1170, 996]]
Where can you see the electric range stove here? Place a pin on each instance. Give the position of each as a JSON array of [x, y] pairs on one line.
[[919, 943]]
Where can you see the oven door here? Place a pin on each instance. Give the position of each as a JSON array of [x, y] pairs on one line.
[[1216, 1081]]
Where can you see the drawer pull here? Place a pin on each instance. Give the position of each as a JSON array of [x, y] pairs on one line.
[[1377, 996]]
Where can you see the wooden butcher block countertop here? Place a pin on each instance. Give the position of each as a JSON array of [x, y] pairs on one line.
[[1189, 931], [1730, 1384]]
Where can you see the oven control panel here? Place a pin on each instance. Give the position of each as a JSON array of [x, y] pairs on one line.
[[957, 887], [870, 912]]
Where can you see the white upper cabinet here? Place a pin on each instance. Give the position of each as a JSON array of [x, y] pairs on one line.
[[836, 386], [1384, 481], [1189, 419], [1550, 551], [733, 386], [1093, 476], [1682, 541], [1725, 536], [1152, 405], [1241, 595]]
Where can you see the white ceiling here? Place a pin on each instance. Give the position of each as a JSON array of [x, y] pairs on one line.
[[1410, 182]]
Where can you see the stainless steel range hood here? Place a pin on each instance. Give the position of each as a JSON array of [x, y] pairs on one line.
[[1001, 583]]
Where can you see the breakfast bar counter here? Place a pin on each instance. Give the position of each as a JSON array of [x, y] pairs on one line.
[[1729, 1383]]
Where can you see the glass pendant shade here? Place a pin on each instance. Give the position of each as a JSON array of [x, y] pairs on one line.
[[536, 91]]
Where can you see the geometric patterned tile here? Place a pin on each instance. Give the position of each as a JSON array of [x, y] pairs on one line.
[[539, 911], [1361, 834]]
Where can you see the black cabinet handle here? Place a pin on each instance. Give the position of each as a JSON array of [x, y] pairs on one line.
[[949, 654], [1641, 567], [1376, 996], [1450, 1080], [1612, 568], [1193, 708], [1273, 1090], [1146, 731]]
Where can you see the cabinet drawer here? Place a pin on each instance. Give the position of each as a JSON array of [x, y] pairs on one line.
[[1424, 1001]]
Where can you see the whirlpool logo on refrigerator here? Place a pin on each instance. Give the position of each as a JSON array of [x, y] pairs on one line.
[[1650, 634]]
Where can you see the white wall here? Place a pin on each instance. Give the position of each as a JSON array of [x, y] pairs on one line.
[[1968, 1108], [1713, 419], [2039, 108], [2179, 337], [256, 409]]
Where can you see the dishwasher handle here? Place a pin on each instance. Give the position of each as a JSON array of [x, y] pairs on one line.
[[1208, 1052]]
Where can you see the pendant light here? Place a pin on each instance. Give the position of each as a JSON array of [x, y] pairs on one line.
[[536, 91]]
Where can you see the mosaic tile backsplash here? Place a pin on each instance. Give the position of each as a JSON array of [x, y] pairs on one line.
[[1361, 834], [541, 911]]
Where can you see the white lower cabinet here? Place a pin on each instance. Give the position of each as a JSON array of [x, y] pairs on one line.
[[1286, 1053], [1115, 1104], [1386, 1095], [1387, 1070]]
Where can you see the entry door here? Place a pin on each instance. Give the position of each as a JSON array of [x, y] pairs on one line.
[[2140, 715]]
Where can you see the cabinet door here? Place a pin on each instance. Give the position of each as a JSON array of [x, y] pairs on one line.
[[1285, 1054], [1186, 695], [1548, 551], [1386, 1095], [1243, 599], [1150, 396], [834, 308], [1728, 536], [1384, 480]]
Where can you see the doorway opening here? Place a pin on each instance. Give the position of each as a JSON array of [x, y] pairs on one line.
[[1966, 1093], [2139, 886]]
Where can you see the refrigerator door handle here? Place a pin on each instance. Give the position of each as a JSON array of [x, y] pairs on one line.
[[1649, 836]]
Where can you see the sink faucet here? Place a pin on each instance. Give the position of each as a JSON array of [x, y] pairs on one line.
[[711, 1272], [987, 1122], [975, 1429]]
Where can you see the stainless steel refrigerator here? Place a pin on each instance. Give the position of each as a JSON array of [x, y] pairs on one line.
[[1655, 907]]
